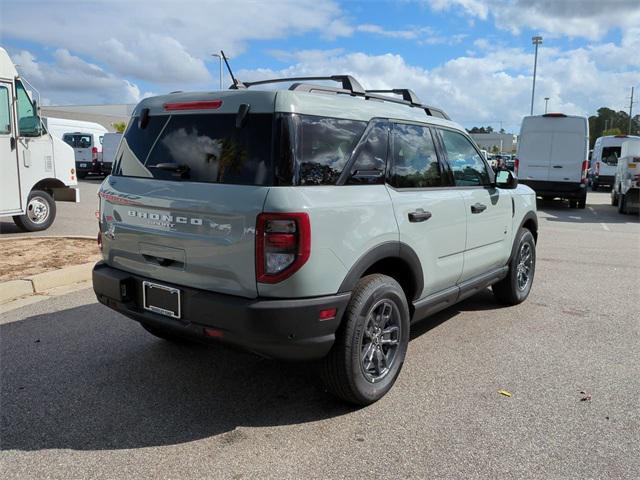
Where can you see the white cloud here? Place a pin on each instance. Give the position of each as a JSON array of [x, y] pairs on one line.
[[492, 86], [69, 79]]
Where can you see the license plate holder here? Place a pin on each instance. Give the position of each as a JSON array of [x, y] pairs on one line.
[[161, 299]]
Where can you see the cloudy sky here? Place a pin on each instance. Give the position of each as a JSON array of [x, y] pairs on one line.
[[473, 58]]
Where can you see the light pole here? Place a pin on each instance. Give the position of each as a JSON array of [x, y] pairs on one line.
[[537, 40], [546, 102], [219, 58]]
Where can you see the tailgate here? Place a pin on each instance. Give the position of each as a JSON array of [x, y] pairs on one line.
[[198, 235]]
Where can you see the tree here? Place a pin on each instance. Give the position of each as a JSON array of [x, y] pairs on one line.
[[480, 130], [610, 122], [119, 127]]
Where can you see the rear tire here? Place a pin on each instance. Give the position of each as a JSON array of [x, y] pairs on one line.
[[622, 207], [40, 214], [573, 203], [515, 287], [582, 201], [614, 198], [594, 186], [371, 343]]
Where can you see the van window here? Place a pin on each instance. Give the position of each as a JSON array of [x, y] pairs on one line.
[[314, 150], [77, 140], [199, 148], [371, 158], [5, 118], [415, 163], [28, 120], [465, 162], [610, 155]]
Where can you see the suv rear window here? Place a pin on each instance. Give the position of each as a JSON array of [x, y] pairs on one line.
[[77, 140], [610, 155], [199, 148]]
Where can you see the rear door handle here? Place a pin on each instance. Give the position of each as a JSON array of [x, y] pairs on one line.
[[419, 216], [557, 166], [478, 208]]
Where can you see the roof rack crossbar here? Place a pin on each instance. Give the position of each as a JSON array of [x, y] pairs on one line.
[[408, 95], [347, 81]]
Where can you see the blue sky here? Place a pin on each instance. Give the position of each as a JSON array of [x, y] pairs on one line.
[[471, 57]]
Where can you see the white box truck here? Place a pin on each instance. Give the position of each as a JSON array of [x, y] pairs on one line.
[[625, 192], [552, 156], [37, 168], [606, 152]]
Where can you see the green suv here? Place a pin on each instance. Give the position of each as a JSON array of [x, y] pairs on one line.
[[307, 223]]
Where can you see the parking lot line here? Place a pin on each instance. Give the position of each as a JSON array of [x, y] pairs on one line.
[[604, 225], [592, 210]]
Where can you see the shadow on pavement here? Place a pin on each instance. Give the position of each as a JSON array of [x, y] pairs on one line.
[[87, 378], [559, 211], [9, 227]]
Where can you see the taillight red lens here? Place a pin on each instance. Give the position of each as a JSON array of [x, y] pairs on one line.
[[585, 167], [94, 153], [516, 166], [597, 168], [283, 245]]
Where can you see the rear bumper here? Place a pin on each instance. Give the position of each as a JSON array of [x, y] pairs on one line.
[[283, 329], [604, 179], [556, 189]]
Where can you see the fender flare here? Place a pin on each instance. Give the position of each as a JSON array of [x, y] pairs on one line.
[[399, 250], [528, 216]]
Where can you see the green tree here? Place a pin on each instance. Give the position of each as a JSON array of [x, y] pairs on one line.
[[119, 127]]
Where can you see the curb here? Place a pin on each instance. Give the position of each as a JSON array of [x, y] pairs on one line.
[[39, 283]]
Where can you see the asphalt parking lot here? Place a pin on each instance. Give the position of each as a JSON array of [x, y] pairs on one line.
[[87, 393]]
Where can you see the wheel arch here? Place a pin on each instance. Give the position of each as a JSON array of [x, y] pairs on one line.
[[48, 185], [529, 222], [394, 259]]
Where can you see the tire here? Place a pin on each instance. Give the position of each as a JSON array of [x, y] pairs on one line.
[[594, 187], [509, 290], [582, 202], [41, 212], [166, 334], [614, 198], [344, 371], [622, 207], [573, 203]]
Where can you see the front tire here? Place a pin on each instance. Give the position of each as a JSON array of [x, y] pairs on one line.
[[515, 287], [371, 344], [41, 212], [614, 198]]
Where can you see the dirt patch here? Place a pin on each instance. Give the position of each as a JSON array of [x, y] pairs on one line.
[[24, 257]]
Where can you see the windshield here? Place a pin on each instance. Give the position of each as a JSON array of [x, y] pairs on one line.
[[610, 155]]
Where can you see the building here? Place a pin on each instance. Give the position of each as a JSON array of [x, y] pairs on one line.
[[502, 142], [105, 115]]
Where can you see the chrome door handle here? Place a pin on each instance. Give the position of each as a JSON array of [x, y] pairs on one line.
[[478, 208], [419, 216]]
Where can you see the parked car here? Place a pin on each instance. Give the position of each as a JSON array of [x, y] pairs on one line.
[[606, 152], [110, 143], [552, 156], [625, 192], [313, 223], [86, 140]]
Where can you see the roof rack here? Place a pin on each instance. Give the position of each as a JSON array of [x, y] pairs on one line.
[[351, 86], [348, 82], [407, 94]]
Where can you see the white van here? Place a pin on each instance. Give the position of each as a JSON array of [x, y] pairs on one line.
[[86, 140], [37, 167], [552, 156], [606, 152], [625, 192], [110, 144]]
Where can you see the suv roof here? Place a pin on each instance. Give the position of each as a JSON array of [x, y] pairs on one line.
[[349, 102]]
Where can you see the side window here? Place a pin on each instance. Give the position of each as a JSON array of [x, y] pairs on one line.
[[28, 120], [371, 158], [465, 162], [415, 163], [5, 118]]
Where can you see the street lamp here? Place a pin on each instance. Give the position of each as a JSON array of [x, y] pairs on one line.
[[546, 102], [537, 40], [220, 58]]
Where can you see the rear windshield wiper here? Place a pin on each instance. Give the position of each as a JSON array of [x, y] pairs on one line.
[[179, 169]]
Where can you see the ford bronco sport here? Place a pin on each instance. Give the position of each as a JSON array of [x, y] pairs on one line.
[[308, 223]]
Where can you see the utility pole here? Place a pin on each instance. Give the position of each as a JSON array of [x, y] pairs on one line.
[[631, 102], [537, 40]]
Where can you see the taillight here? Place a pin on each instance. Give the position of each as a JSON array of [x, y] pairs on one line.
[[597, 168], [585, 167], [94, 154], [516, 166], [283, 245]]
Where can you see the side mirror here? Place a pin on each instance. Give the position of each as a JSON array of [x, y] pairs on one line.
[[506, 179]]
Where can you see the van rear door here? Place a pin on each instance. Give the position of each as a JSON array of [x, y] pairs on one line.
[[182, 202], [534, 154], [568, 151], [81, 144]]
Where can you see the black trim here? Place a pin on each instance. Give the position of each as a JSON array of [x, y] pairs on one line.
[[398, 250], [452, 295], [287, 329], [528, 216], [556, 189]]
